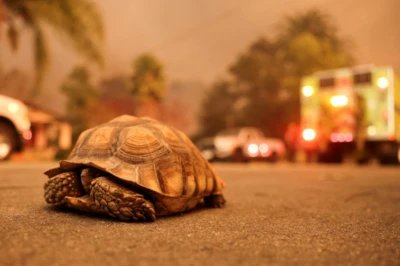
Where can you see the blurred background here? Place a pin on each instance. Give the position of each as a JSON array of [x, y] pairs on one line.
[[262, 80]]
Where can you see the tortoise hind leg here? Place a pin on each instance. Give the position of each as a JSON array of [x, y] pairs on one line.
[[120, 202], [61, 186], [215, 201]]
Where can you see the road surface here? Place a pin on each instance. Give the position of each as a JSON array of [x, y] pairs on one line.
[[276, 215]]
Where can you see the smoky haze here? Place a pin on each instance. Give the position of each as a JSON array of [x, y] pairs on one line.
[[197, 40]]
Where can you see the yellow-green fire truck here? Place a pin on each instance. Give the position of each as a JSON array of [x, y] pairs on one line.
[[351, 113]]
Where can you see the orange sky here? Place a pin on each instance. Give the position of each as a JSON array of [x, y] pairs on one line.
[[197, 40]]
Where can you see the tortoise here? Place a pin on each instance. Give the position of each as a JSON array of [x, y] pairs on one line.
[[134, 169]]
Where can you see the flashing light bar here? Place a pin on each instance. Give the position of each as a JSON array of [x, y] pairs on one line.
[[342, 137]]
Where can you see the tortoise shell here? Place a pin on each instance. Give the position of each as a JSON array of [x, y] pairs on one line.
[[157, 159]]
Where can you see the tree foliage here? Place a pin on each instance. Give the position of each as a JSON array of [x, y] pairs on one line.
[[269, 72], [78, 22], [148, 81], [216, 112], [81, 98]]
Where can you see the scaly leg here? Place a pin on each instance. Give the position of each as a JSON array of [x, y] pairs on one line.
[[121, 202], [84, 203], [66, 189], [61, 186]]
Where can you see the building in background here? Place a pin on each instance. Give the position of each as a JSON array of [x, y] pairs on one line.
[[48, 130]]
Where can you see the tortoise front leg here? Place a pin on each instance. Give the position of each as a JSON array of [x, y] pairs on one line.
[[62, 185], [84, 203], [120, 202]]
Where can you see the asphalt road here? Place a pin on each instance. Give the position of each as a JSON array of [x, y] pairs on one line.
[[276, 215]]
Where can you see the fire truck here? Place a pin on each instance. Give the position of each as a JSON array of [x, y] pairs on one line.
[[14, 126], [351, 113]]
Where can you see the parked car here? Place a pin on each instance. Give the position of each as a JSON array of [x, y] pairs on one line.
[[247, 143], [14, 126]]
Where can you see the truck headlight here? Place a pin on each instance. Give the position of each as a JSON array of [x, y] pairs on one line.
[[383, 83], [307, 91], [339, 100], [309, 134]]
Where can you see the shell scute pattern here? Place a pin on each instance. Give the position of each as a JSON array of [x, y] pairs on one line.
[[148, 153], [169, 172], [97, 144], [147, 177], [138, 145], [154, 163]]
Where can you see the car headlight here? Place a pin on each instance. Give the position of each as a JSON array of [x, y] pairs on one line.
[[252, 148], [264, 148]]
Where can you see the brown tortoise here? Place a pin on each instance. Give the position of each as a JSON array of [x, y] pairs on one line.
[[134, 169]]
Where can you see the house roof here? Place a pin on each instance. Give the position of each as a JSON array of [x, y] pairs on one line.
[[38, 114]]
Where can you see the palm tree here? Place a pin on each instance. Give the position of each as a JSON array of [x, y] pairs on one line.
[[148, 86], [310, 41], [77, 21], [148, 80], [315, 22]]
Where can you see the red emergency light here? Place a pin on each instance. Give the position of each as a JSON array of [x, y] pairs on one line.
[[342, 137]]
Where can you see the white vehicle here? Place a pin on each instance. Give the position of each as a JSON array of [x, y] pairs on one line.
[[14, 126], [206, 147], [247, 143]]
